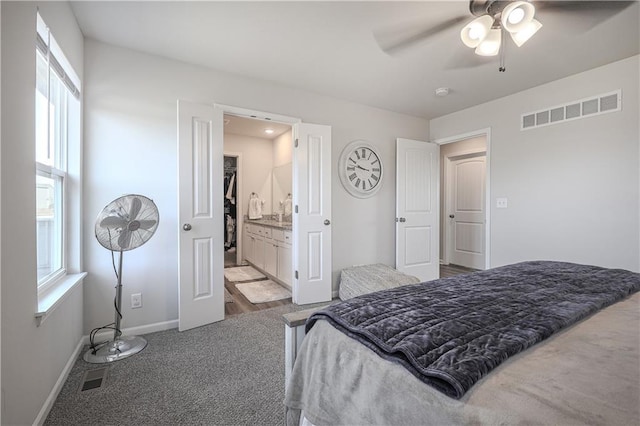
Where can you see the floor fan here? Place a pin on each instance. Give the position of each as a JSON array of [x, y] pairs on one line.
[[124, 224]]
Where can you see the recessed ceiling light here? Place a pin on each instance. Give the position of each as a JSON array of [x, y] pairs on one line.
[[268, 131]]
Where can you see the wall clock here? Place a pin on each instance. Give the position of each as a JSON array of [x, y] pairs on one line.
[[360, 169]]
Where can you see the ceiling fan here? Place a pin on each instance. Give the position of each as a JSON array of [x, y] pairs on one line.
[[484, 33], [496, 20]]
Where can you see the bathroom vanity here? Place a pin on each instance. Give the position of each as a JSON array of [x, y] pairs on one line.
[[267, 246]]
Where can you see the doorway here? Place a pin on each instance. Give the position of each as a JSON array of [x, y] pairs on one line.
[[200, 209], [232, 210], [257, 169], [464, 201], [262, 149]]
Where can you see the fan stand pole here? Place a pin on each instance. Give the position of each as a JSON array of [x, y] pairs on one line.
[[121, 346], [116, 332]]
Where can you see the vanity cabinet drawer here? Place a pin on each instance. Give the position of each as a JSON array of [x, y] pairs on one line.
[[266, 232], [278, 234]]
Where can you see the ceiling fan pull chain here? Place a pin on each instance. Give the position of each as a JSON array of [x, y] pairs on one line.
[[502, 67]]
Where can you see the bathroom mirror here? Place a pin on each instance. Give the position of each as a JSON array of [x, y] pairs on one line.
[[282, 186]]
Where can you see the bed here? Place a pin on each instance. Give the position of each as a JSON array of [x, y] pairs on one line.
[[531, 343]]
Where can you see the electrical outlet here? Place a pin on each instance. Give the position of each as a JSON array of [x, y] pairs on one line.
[[501, 203], [136, 300]]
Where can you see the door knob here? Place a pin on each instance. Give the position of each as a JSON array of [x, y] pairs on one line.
[[402, 219], [452, 216], [327, 222], [186, 227]]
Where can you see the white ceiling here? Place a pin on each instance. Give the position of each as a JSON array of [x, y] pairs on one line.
[[331, 48], [253, 127]]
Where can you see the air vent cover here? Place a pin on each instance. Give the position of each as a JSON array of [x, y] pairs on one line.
[[588, 107], [94, 379]]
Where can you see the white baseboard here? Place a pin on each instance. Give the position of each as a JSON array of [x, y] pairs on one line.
[[134, 331], [48, 403]]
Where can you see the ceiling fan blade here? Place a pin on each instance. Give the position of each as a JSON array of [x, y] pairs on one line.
[[582, 15], [393, 41], [582, 5], [136, 204], [113, 222]]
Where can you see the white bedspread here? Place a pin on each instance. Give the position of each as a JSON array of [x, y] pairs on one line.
[[337, 381]]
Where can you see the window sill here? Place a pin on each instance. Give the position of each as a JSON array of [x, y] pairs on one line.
[[50, 299]]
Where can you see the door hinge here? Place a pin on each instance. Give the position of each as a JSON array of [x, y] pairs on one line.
[[296, 209], [296, 143], [296, 274]]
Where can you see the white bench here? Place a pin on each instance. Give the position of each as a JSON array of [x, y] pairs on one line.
[[363, 279]]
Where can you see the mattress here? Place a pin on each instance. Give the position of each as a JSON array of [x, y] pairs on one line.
[[588, 373], [453, 331]]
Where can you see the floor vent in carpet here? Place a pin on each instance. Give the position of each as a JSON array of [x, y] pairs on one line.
[[94, 379]]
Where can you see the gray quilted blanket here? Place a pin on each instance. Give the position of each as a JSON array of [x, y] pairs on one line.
[[451, 332]]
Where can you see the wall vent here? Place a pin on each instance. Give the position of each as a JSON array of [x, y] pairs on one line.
[[588, 107]]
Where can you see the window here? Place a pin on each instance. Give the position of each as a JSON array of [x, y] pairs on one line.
[[57, 122]]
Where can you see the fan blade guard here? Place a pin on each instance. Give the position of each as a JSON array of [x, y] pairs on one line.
[[127, 223]]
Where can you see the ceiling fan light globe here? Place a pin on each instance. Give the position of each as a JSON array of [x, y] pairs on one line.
[[517, 15], [490, 46], [525, 34], [475, 31]]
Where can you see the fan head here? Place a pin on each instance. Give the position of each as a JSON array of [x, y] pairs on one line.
[[127, 223]]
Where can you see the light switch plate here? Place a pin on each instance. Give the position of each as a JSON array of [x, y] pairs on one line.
[[501, 203]]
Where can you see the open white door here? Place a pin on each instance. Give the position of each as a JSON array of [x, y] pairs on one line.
[[417, 209], [312, 213], [200, 215]]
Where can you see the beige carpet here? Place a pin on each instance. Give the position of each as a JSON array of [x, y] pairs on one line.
[[263, 291], [242, 273]]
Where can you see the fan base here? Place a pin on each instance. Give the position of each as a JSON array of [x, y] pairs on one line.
[[123, 347]]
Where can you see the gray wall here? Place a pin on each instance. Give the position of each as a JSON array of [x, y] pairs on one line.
[[573, 188], [32, 357], [130, 146]]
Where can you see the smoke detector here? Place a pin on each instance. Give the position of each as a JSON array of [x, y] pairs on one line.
[[442, 91]]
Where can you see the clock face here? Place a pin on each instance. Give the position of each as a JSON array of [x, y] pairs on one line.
[[361, 169]]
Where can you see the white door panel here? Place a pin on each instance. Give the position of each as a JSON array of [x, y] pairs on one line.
[[417, 213], [312, 214], [200, 212], [417, 247]]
